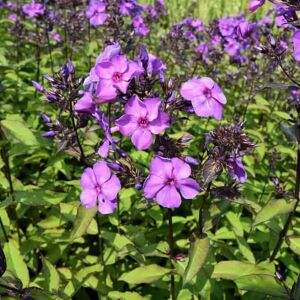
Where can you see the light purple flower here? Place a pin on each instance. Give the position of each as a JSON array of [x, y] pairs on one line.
[[115, 74], [12, 17], [142, 120], [255, 4], [96, 13], [100, 186], [85, 104], [34, 9], [236, 169], [227, 26], [55, 36], [139, 26], [169, 181], [296, 42], [206, 96]]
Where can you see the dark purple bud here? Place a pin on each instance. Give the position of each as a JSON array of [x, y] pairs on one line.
[[38, 87], [186, 138], [143, 56], [64, 71], [114, 166], [121, 152], [49, 78], [116, 140], [49, 134], [180, 257], [45, 118], [272, 41], [170, 84], [138, 186], [51, 97], [275, 181], [71, 67], [191, 161]]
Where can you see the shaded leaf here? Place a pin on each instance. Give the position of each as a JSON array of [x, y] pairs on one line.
[[198, 253], [115, 295], [146, 274], [83, 219], [2, 262], [51, 276], [211, 170], [294, 243], [273, 209]]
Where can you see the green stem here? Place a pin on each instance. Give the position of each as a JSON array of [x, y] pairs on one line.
[[201, 219], [171, 253]]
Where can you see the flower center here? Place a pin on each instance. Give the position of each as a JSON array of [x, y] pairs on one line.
[[207, 93], [171, 181], [143, 123], [116, 76], [98, 189]]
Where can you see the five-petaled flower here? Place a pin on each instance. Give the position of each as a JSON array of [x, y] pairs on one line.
[[99, 185], [206, 96], [34, 9], [115, 74], [169, 181], [96, 13], [141, 120]]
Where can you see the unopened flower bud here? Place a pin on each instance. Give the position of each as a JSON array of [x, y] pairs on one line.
[[138, 186], [71, 67], [45, 118], [38, 87], [191, 161], [186, 138], [49, 134], [114, 166]]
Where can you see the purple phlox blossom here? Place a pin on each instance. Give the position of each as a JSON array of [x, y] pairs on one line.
[[141, 120], [96, 13], [115, 75], [244, 29], [10, 5], [296, 43], [100, 187], [130, 8], [203, 50], [227, 26], [169, 181], [12, 17], [232, 46], [255, 4], [206, 96], [55, 36], [139, 26], [236, 169], [197, 24], [34, 9], [109, 52]]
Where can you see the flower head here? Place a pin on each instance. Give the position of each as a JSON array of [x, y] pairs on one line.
[[296, 42], [236, 169], [115, 75], [206, 96], [142, 120], [34, 9], [96, 13], [100, 186], [169, 181], [255, 4]]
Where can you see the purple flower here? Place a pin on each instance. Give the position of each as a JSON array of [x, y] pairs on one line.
[[141, 120], [12, 17], [169, 181], [55, 36], [206, 96], [99, 185], [236, 169], [296, 42], [33, 9], [226, 26], [139, 26], [115, 74], [85, 104], [96, 13], [232, 47], [255, 4]]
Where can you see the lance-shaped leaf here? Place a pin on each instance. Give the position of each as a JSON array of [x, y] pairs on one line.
[[83, 219], [211, 170], [145, 274], [51, 276], [198, 253], [294, 243], [273, 209]]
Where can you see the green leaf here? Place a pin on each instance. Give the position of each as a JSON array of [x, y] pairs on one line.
[[83, 219], [19, 131], [198, 253], [51, 276], [15, 262], [39, 197], [146, 274], [233, 269], [294, 243], [115, 295], [265, 284], [273, 209], [296, 289]]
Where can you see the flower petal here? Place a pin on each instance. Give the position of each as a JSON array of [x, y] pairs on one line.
[[161, 167], [106, 207], [190, 89], [121, 86], [160, 124], [88, 179], [135, 107], [134, 69], [88, 198], [105, 91], [111, 188], [152, 105], [102, 172], [141, 138], [127, 124], [189, 188], [168, 197], [105, 70], [181, 169], [152, 185], [120, 63]]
